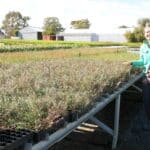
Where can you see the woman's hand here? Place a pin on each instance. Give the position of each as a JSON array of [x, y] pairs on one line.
[[126, 63], [148, 75]]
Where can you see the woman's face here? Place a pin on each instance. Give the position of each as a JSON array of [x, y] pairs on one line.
[[147, 33], [148, 74]]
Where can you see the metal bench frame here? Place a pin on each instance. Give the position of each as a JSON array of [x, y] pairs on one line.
[[63, 132]]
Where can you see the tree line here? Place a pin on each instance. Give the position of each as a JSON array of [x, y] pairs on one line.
[[137, 35], [14, 21]]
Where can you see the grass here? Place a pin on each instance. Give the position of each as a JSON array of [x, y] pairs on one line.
[[81, 53]]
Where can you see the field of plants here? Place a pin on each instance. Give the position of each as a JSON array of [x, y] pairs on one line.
[[10, 45], [38, 87]]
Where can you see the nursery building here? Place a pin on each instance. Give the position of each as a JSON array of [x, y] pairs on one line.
[[31, 33], [78, 35]]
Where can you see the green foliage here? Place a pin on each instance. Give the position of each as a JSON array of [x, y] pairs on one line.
[[11, 45], [19, 48], [13, 22], [52, 25], [130, 36], [138, 33], [141, 22], [80, 24], [136, 36]]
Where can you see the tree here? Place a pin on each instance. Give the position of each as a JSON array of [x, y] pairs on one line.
[[137, 34], [123, 27], [52, 25], [130, 36], [13, 22], [80, 24], [141, 22]]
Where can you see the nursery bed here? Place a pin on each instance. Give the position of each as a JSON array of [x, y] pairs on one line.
[[63, 126]]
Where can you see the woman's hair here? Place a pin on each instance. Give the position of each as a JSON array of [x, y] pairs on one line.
[[147, 24]]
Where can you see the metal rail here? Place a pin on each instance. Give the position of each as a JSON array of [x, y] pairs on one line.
[[61, 133]]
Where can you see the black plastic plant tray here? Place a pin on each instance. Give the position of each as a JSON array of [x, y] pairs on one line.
[[41, 134], [14, 139]]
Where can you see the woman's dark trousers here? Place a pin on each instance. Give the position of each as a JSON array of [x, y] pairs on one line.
[[146, 96]]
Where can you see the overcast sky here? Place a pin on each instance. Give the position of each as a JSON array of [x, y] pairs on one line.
[[102, 14]]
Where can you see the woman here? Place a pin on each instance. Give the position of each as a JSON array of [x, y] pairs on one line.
[[144, 61]]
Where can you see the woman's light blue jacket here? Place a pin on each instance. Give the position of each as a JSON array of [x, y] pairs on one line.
[[144, 59]]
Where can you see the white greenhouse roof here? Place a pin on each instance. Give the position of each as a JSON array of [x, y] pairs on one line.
[[100, 31], [33, 29], [78, 31], [115, 31]]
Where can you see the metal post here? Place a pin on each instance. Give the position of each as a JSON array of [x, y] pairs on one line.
[[137, 88], [102, 125], [28, 146], [116, 122], [63, 132]]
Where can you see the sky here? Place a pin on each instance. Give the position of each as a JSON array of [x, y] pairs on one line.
[[104, 15]]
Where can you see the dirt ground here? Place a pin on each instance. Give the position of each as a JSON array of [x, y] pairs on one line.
[[131, 135], [137, 137]]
